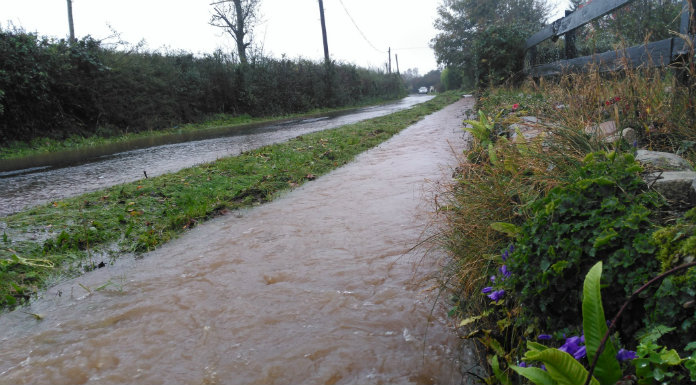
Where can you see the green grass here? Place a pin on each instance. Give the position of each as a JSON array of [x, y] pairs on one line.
[[67, 237], [17, 149]]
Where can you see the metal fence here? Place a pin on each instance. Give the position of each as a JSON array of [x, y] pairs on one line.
[[676, 50]]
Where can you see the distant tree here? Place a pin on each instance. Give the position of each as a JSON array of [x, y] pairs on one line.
[[484, 39], [236, 17]]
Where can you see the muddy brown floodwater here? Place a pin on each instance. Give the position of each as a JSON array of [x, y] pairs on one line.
[[319, 286]]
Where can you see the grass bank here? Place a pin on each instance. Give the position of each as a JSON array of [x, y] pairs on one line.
[[527, 217], [65, 238], [39, 146]]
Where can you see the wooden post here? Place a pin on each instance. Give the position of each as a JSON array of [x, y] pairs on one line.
[[396, 56], [323, 31], [571, 51], [685, 60], [389, 67]]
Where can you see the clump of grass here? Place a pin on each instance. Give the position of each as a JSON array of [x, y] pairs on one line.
[[140, 216]]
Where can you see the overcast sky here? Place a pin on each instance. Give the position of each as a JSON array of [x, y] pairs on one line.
[[289, 27]]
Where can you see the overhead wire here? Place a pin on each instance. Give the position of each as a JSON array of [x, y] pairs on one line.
[[358, 28]]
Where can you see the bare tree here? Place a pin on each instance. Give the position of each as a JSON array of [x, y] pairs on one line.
[[236, 17]]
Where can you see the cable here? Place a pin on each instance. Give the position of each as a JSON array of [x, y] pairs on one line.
[[358, 28]]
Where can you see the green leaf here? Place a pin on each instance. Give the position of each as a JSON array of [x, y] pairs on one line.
[[499, 374], [690, 346], [594, 324], [536, 375], [656, 332], [531, 345], [469, 320], [691, 365], [506, 228], [561, 366], [670, 357]]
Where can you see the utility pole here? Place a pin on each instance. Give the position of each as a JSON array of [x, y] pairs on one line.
[[70, 22], [397, 64], [323, 31], [389, 68]]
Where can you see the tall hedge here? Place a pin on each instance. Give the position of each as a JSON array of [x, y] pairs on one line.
[[51, 88]]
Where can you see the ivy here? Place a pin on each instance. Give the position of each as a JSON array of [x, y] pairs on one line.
[[604, 214]]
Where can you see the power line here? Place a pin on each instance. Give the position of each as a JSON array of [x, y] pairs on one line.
[[358, 28]]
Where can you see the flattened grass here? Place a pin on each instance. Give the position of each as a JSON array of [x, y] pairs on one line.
[[68, 237]]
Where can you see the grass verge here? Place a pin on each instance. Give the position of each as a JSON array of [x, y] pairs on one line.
[[65, 238]]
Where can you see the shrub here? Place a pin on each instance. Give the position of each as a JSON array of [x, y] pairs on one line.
[[53, 88], [673, 301], [605, 214]]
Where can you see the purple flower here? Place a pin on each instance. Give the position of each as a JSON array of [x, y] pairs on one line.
[[544, 337], [512, 248], [496, 295], [626, 355], [487, 290], [543, 367], [571, 345], [580, 353], [493, 278], [505, 255], [523, 364], [505, 272]]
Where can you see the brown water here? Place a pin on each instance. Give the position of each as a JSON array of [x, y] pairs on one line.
[[316, 287]]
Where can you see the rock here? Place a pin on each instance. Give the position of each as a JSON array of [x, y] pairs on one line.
[[678, 187], [530, 119], [628, 134], [529, 127], [602, 130], [663, 161]]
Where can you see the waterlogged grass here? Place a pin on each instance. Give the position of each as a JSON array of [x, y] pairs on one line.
[[16, 149], [67, 237]]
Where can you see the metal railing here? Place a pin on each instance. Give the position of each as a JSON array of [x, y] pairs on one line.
[[674, 50]]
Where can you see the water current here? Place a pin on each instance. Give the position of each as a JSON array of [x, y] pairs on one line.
[[321, 286], [32, 186]]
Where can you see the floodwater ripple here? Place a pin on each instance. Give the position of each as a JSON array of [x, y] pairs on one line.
[[320, 286]]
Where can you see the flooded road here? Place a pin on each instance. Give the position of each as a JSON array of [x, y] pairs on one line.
[[23, 188], [319, 286]]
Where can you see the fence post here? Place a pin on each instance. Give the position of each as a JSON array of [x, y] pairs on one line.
[[685, 60], [571, 51]]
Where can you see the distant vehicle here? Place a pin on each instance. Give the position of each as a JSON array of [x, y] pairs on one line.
[[423, 90]]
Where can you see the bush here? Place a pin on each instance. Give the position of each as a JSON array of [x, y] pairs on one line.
[[53, 88], [673, 302], [605, 214]]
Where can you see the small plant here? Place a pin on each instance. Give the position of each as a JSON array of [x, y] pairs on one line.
[[657, 364], [563, 368], [605, 214]]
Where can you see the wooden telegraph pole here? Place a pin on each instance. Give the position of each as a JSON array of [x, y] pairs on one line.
[[396, 56], [389, 68], [323, 31], [70, 22]]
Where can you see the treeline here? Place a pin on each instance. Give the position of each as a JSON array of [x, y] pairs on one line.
[[54, 88]]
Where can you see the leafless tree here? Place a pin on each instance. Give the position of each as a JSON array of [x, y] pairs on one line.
[[236, 17]]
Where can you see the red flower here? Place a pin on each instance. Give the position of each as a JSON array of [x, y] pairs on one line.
[[515, 106], [608, 102]]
